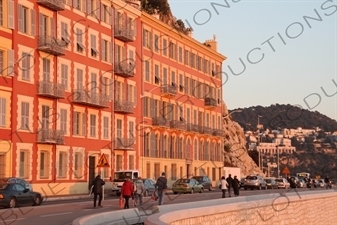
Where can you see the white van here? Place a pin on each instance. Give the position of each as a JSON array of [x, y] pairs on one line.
[[119, 178]]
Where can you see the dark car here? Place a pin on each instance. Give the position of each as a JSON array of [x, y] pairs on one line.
[[14, 194], [18, 180], [205, 181], [271, 183]]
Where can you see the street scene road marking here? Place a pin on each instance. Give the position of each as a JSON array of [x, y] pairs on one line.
[[13, 220], [56, 214]]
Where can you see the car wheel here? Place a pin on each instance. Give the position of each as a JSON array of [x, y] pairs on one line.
[[118, 194], [37, 200], [12, 202], [175, 193], [265, 187], [192, 191], [260, 187], [245, 188], [201, 190], [146, 193], [210, 188]]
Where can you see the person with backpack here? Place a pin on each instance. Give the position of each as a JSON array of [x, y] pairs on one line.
[[139, 191]]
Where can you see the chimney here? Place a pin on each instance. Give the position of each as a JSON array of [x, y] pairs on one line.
[[212, 43], [189, 32]]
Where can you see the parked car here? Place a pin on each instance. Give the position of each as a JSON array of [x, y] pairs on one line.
[[149, 186], [320, 183], [271, 183], [294, 182], [255, 182], [205, 181], [187, 186], [14, 194], [302, 183], [17, 180], [282, 183]]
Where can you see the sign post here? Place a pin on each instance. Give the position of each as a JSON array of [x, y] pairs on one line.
[[103, 163], [286, 171]]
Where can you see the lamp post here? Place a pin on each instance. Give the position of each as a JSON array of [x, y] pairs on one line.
[[238, 110], [278, 159]]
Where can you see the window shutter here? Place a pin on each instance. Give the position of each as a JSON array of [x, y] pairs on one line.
[[10, 55], [102, 12], [135, 95], [111, 52], [161, 141], [123, 91], [110, 16], [11, 14], [75, 2], [84, 6], [20, 21], [116, 54], [102, 50], [150, 33], [111, 88], [52, 28], [89, 9], [40, 24], [74, 122], [3, 112], [84, 121], [123, 55], [135, 28], [152, 107], [97, 10], [116, 18], [70, 3], [32, 13]]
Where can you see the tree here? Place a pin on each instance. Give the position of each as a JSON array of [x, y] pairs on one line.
[[155, 6]]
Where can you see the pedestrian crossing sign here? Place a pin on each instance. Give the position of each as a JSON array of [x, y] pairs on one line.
[[103, 161], [286, 171]]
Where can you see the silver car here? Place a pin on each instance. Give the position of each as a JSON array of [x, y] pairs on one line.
[[255, 182], [282, 183], [21, 181]]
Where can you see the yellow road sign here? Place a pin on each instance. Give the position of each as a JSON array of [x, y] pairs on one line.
[[103, 161], [286, 171]]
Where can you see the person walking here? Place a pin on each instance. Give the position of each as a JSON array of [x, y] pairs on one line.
[[235, 185], [230, 184], [140, 189], [161, 186], [126, 192], [224, 186], [98, 190], [327, 182]]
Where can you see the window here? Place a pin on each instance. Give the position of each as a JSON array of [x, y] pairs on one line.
[[24, 19], [119, 128], [156, 43], [105, 127], [46, 70], [3, 165], [64, 75], [79, 123], [24, 164], [131, 130], [77, 4], [78, 164], [44, 164], [2, 112], [94, 51], [146, 106], [156, 74], [2, 61], [24, 115], [64, 33], [181, 83], [173, 78], [147, 70], [92, 125], [147, 38], [119, 162], [79, 80], [131, 162], [165, 47], [80, 47], [62, 173], [180, 54], [104, 52], [1, 14], [186, 57], [195, 150], [156, 170], [25, 66], [173, 171], [63, 120]]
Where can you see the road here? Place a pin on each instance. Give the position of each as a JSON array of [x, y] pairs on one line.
[[63, 212]]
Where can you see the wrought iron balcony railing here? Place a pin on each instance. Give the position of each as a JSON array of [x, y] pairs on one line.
[[124, 33], [50, 89], [50, 136], [51, 45], [90, 98], [193, 128], [210, 102], [177, 124], [169, 90], [124, 143], [160, 121], [56, 5], [124, 107], [218, 133], [207, 130], [124, 69]]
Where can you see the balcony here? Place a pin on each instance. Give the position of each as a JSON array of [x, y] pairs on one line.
[[124, 143], [168, 90], [50, 89], [218, 133], [178, 125], [90, 98], [160, 121], [193, 128], [56, 5], [124, 33], [124, 107], [207, 131], [51, 45], [124, 69], [210, 103], [50, 136]]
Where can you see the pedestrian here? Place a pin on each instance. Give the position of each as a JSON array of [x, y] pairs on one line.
[[230, 183], [98, 190], [235, 185], [126, 192], [224, 186], [327, 182], [140, 189], [161, 186]]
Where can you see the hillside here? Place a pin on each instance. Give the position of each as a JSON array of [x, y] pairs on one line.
[[283, 116]]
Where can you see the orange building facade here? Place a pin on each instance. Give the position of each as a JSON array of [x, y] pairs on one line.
[[80, 78]]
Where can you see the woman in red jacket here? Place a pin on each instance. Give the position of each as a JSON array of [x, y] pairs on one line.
[[126, 192]]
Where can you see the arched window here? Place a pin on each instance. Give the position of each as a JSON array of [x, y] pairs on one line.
[[180, 151], [146, 145], [201, 150], [188, 149], [195, 150], [206, 151]]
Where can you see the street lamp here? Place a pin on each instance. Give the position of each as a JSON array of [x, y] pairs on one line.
[[238, 110], [278, 158]]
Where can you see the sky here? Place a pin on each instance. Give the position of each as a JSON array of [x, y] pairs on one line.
[[288, 57]]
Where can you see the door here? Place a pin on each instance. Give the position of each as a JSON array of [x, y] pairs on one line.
[[2, 166], [92, 166], [188, 170], [23, 198]]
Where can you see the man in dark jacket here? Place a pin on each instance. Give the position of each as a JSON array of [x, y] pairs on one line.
[[97, 190], [230, 184], [236, 184], [161, 186]]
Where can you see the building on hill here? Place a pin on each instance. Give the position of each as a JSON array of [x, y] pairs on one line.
[[86, 78]]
